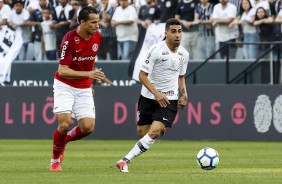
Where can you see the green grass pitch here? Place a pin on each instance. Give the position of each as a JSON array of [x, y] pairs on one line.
[[93, 161]]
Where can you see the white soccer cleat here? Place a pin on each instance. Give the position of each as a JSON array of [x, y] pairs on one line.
[[123, 165]]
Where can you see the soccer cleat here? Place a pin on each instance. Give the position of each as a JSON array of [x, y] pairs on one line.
[[62, 154], [55, 167], [123, 165]]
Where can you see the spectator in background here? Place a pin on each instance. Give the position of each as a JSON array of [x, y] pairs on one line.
[[76, 8], [125, 22], [167, 9], [35, 20], [272, 7], [246, 19], [9, 2], [185, 13], [268, 31], [223, 14], [206, 38], [112, 3], [49, 35], [62, 15], [237, 3], [214, 2], [261, 3], [4, 13], [31, 5], [278, 19], [139, 3], [148, 14], [53, 4], [109, 42], [277, 6], [16, 20]]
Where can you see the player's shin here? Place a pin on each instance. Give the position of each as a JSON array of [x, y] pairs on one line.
[[74, 134], [58, 145], [140, 147]]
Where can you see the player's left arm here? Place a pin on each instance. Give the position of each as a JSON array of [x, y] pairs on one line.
[[183, 95], [183, 99]]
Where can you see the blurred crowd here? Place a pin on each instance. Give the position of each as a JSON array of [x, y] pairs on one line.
[[207, 24]]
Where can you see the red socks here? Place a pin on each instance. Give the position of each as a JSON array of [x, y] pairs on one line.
[[59, 140], [74, 134], [58, 144]]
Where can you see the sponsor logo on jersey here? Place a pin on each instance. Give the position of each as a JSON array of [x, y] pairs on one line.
[[65, 45], [165, 53], [169, 93], [77, 40], [95, 47], [83, 58], [147, 61], [180, 53]]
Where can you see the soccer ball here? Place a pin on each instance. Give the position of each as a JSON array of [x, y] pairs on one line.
[[208, 158]]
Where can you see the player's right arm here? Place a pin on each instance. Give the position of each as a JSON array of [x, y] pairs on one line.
[[66, 57], [66, 72], [146, 68]]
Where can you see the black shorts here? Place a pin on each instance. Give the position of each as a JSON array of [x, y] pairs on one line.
[[150, 110]]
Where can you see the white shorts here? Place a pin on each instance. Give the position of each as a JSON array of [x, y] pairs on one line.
[[78, 102]]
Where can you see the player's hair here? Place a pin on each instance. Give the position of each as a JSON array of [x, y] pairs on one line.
[[84, 13], [170, 22]]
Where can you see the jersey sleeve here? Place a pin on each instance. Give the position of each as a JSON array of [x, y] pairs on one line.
[[185, 64], [148, 63], [66, 50]]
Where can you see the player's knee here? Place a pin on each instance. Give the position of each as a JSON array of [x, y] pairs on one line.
[[64, 127], [86, 130], [154, 134]]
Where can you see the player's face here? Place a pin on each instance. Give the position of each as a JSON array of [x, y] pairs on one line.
[[92, 25], [173, 35]]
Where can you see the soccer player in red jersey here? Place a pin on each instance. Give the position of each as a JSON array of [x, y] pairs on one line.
[[73, 81]]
